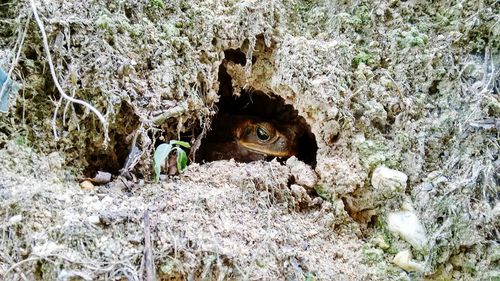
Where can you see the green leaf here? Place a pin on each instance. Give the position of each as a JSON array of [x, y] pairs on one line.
[[161, 154], [181, 159], [163, 151], [309, 276], [181, 143]]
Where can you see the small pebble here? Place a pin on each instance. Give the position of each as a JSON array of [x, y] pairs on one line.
[[94, 219], [15, 219], [87, 185], [389, 180]]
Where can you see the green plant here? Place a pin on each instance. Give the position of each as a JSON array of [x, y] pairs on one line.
[[157, 3], [308, 276], [21, 140], [363, 57], [361, 18], [163, 151], [412, 38], [104, 22]]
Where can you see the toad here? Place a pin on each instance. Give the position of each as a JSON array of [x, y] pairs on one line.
[[249, 138]]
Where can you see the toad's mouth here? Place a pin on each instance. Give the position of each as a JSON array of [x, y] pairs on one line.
[[256, 147]]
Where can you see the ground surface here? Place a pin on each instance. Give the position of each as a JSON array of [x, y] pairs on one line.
[[208, 224], [406, 85]]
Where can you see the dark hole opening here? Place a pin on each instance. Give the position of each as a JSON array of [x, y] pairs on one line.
[[433, 89], [121, 135], [237, 56], [289, 133]]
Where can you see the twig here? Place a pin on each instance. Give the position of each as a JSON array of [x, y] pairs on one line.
[[56, 82], [54, 118], [73, 74], [148, 252], [176, 248], [170, 113], [19, 264]]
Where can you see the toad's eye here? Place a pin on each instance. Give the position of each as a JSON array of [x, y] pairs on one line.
[[262, 134]]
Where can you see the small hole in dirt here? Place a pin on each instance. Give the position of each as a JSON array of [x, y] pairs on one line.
[[334, 138], [111, 41], [129, 12], [388, 15], [255, 126], [373, 221], [38, 273], [235, 55], [31, 54], [433, 89], [121, 135], [381, 126], [79, 109]]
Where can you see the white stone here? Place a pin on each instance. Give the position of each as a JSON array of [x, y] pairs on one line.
[[297, 189], [87, 185], [407, 225], [15, 219], [403, 260], [387, 179], [94, 219]]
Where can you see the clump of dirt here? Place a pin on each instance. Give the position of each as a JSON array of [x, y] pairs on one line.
[[404, 85]]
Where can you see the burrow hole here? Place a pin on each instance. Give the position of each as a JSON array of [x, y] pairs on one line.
[[121, 135], [257, 107]]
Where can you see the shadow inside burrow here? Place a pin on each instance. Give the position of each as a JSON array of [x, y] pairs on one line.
[[113, 158]]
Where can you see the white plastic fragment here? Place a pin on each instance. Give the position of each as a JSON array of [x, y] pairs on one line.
[[403, 260], [387, 179], [407, 225]]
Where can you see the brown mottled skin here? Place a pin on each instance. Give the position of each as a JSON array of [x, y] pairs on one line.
[[247, 138], [266, 138]]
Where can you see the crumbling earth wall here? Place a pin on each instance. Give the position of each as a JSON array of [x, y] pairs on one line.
[[407, 85]]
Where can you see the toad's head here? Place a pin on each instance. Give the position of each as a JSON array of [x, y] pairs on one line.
[[266, 138]]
